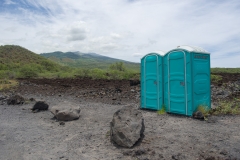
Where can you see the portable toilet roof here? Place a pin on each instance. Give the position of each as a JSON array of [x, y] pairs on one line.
[[160, 52], [186, 79], [192, 49]]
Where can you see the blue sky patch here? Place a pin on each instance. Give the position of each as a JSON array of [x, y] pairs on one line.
[[19, 7]]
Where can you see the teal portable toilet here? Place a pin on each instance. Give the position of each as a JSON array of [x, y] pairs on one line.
[[152, 81], [186, 80]]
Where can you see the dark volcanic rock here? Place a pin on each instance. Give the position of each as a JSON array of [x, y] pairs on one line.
[[224, 91], [127, 126], [40, 105], [198, 115], [32, 99], [134, 82], [15, 100], [3, 99]]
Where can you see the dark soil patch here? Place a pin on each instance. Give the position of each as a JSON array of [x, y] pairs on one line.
[[107, 91], [227, 77]]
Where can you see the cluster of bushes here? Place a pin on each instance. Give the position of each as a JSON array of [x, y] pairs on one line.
[[29, 70], [96, 73], [225, 70], [216, 78], [49, 70]]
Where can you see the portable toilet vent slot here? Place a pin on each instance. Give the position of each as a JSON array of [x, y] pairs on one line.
[[152, 81], [186, 80]]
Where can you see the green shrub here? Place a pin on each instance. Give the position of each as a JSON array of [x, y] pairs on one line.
[[97, 74], [3, 67], [115, 74], [216, 78], [127, 74], [49, 66], [119, 66], [226, 108], [81, 73], [225, 70], [64, 74], [205, 110], [6, 74], [3, 74], [162, 110], [28, 71]]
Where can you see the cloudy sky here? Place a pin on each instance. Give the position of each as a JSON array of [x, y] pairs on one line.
[[124, 29]]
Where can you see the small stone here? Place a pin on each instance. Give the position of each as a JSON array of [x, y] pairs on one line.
[[62, 123], [153, 153], [32, 99], [224, 152], [198, 115], [35, 111]]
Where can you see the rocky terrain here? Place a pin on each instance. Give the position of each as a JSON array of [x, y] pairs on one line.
[[29, 135]]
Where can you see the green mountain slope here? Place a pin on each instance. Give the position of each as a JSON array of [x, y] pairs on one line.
[[87, 60], [21, 62]]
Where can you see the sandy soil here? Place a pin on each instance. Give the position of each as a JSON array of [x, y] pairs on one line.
[[37, 136]]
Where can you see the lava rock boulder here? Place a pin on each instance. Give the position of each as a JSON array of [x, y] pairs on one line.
[[15, 100], [39, 106], [66, 111], [127, 126]]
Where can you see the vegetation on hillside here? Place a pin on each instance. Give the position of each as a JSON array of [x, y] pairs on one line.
[[18, 62], [88, 60]]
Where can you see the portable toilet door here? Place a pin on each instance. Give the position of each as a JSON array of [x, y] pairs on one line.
[[186, 80], [201, 79], [152, 81]]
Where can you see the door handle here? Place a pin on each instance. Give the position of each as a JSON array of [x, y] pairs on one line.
[[155, 82], [182, 83]]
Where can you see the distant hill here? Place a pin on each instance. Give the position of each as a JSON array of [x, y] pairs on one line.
[[18, 60], [86, 60]]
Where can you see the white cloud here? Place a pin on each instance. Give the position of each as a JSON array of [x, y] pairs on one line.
[[123, 29], [77, 32], [8, 2], [116, 36], [137, 54]]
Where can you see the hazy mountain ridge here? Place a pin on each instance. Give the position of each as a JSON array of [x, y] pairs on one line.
[[86, 60]]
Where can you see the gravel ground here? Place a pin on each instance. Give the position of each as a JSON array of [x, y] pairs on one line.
[[37, 136]]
